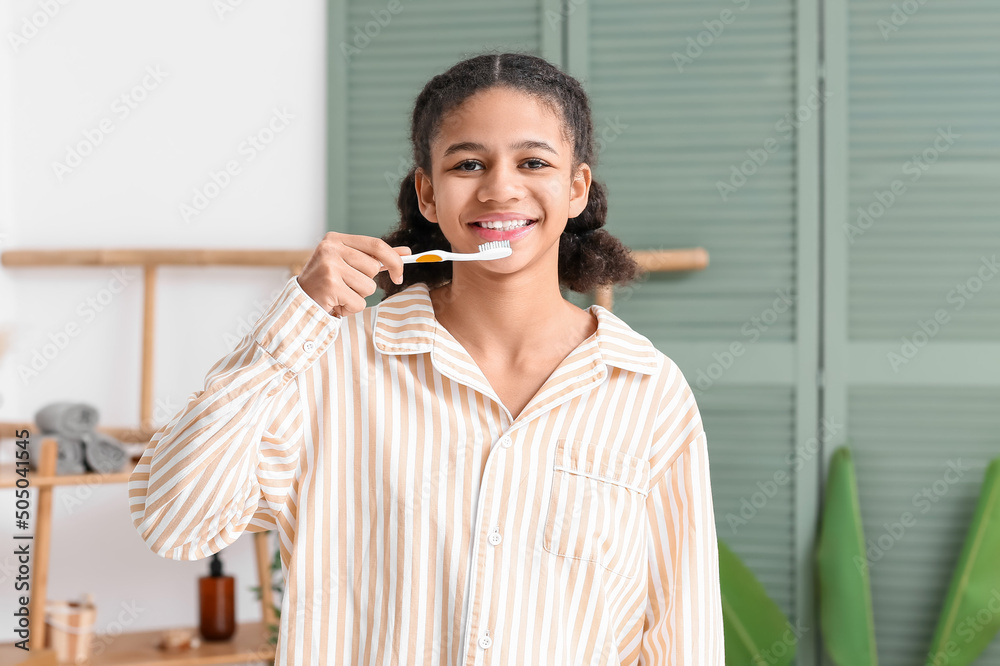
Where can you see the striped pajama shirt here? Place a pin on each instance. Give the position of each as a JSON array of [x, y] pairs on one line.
[[418, 522]]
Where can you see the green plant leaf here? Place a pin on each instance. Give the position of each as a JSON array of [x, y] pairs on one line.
[[846, 616], [971, 615], [754, 626], [276, 560]]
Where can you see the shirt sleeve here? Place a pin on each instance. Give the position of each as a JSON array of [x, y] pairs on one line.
[[226, 462], [683, 623]]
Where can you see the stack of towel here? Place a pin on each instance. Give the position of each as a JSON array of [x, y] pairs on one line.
[[80, 446]]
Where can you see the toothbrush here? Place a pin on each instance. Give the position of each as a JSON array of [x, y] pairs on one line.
[[487, 251]]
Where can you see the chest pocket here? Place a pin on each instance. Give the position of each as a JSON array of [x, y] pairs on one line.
[[596, 512]]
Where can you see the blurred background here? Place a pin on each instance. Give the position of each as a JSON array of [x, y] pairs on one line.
[[840, 162]]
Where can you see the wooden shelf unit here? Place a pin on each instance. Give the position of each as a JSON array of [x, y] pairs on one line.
[[249, 644], [136, 648]]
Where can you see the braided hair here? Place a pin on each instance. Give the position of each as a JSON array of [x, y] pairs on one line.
[[589, 256]]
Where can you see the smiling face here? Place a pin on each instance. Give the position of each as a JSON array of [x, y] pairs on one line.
[[500, 157]]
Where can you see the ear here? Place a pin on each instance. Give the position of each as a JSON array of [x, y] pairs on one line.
[[579, 190], [425, 195]]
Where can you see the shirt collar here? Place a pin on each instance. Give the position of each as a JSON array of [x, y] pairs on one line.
[[405, 324]]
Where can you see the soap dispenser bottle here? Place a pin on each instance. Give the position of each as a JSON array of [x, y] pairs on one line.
[[217, 603]]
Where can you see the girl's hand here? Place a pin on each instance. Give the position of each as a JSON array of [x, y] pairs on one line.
[[340, 272]]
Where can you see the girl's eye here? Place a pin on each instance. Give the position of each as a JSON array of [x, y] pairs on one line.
[[540, 164]]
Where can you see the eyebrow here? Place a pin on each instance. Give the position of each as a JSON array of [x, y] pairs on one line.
[[472, 146]]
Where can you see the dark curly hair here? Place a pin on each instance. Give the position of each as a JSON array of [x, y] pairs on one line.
[[589, 256]]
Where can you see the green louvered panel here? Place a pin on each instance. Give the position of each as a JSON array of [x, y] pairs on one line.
[[670, 137], [750, 439], [922, 85], [674, 135], [911, 75], [903, 440], [422, 40]]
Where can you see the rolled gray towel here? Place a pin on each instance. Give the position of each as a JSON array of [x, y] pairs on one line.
[[67, 418], [69, 455], [103, 453]]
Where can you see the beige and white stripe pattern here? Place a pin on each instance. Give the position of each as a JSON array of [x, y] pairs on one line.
[[419, 523]]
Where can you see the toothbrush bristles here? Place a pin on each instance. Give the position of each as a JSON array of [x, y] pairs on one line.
[[493, 245]]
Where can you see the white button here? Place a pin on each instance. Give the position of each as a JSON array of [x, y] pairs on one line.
[[308, 346], [494, 537], [485, 642], [506, 441]]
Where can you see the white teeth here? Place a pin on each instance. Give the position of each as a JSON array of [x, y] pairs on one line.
[[505, 226]]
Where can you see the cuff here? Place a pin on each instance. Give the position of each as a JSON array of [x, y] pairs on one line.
[[294, 329]]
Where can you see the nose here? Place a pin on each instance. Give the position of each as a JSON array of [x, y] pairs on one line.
[[501, 183]]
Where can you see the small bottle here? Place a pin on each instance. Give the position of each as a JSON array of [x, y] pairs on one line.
[[217, 603]]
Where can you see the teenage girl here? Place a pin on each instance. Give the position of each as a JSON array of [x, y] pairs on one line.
[[474, 471]]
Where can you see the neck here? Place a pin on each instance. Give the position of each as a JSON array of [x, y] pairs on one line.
[[503, 317]]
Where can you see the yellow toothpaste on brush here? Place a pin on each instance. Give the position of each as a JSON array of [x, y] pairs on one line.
[[487, 252]]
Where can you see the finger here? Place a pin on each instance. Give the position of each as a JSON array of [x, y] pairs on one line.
[[358, 281], [348, 299], [361, 261], [390, 258], [403, 251]]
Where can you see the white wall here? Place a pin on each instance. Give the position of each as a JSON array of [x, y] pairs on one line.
[[221, 77]]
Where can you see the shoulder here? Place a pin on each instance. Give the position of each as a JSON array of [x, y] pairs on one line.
[[672, 379]]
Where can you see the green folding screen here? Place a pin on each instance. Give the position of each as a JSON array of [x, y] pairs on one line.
[[912, 333], [757, 129], [707, 153]]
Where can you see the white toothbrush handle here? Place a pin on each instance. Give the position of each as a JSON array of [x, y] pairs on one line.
[[412, 258], [444, 254]]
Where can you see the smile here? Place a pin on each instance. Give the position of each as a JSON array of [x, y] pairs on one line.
[[509, 230]]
